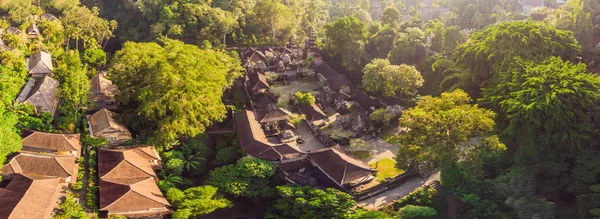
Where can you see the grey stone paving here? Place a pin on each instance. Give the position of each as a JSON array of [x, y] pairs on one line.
[[388, 197]]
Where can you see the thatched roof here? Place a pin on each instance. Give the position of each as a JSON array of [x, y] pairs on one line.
[[367, 102], [104, 120], [258, 81], [40, 63], [263, 99], [128, 182], [124, 164], [102, 88], [336, 83], [33, 29], [13, 30], [340, 167], [128, 196], [325, 70], [42, 165], [253, 140], [274, 115], [41, 92], [49, 17], [51, 141], [312, 112], [29, 196]]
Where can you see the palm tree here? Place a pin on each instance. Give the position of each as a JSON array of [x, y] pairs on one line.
[[171, 180], [193, 162]]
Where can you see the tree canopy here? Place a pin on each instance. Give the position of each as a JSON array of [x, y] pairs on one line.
[[391, 80], [492, 50], [307, 202], [195, 201], [180, 92], [346, 38], [249, 177], [440, 131]]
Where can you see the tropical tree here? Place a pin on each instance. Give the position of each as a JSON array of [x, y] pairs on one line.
[[346, 38], [181, 81], [492, 50], [409, 47], [193, 162], [304, 98], [249, 177], [391, 17], [307, 202], [391, 80], [440, 132], [94, 57], [550, 111], [195, 201], [274, 19]]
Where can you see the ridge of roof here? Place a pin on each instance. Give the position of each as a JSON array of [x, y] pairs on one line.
[[135, 189], [46, 134]]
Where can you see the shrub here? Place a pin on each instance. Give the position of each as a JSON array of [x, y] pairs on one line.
[[304, 98], [417, 212], [227, 155], [382, 115], [93, 143], [77, 186], [423, 196], [341, 136], [94, 57], [359, 144], [70, 209], [297, 118]]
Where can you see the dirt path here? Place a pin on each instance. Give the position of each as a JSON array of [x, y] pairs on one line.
[[388, 197]]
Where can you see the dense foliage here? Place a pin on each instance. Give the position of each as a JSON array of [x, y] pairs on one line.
[[492, 50], [391, 80], [304, 98], [439, 131], [306, 202], [70, 209], [249, 177], [549, 112], [195, 201], [180, 92]]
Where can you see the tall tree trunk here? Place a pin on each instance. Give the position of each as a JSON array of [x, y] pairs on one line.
[[272, 29]]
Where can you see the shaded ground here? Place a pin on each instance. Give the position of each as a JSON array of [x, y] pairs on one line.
[[85, 179], [312, 143], [295, 86], [388, 197], [381, 150]]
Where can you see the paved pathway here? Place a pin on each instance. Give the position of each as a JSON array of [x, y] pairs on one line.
[[380, 150], [388, 197], [312, 143]]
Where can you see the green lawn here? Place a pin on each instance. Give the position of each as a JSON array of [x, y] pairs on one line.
[[361, 155], [387, 169]]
